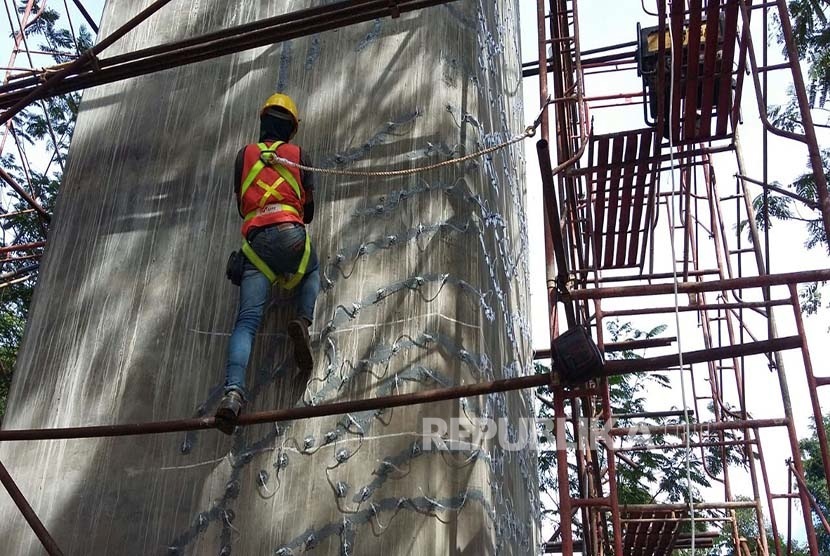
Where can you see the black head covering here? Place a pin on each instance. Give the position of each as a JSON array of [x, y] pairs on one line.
[[276, 125]]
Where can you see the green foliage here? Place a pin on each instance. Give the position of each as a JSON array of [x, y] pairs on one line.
[[33, 130], [749, 531], [817, 481], [811, 32], [809, 296], [778, 207]]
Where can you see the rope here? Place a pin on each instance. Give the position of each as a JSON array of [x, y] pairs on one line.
[[529, 131], [670, 214]]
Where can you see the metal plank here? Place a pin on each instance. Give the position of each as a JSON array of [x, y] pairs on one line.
[[692, 64], [730, 33], [631, 145], [613, 198], [599, 201], [677, 17], [640, 197], [709, 73], [741, 67]]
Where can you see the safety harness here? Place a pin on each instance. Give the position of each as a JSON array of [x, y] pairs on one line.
[[266, 157]]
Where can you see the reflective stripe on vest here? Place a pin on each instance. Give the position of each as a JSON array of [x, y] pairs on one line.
[[268, 209], [266, 152], [292, 280]]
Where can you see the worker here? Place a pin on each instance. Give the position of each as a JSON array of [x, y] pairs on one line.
[[275, 201]]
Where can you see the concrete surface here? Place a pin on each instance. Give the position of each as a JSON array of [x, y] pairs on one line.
[[425, 285]]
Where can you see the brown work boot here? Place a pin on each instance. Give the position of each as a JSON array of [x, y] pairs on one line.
[[298, 332], [228, 412]]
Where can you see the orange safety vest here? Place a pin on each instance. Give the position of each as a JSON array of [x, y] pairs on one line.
[[270, 192]]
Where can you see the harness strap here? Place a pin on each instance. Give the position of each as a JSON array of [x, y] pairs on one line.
[[267, 153], [292, 280]]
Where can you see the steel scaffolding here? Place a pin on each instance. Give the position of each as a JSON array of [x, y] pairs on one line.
[[605, 195], [605, 202]]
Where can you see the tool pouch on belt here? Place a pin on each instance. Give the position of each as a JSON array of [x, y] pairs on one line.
[[236, 267]]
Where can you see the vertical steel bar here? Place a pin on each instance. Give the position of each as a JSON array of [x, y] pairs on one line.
[[558, 241], [806, 117], [541, 34], [812, 541], [29, 514], [613, 494], [565, 525], [812, 385], [789, 511], [765, 477]]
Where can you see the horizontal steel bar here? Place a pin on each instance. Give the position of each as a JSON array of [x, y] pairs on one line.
[[702, 427], [818, 275], [212, 45], [687, 308], [441, 394], [29, 514], [624, 366]]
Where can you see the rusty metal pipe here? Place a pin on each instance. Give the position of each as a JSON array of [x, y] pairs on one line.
[[22, 246], [624, 366], [29, 514], [552, 211], [269, 31], [427, 396], [25, 195], [86, 15], [812, 387], [81, 61], [714, 285], [806, 117]]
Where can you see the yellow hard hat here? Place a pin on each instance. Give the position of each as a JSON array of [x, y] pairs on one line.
[[280, 100]]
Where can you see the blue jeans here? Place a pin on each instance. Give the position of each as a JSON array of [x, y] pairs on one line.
[[282, 250]]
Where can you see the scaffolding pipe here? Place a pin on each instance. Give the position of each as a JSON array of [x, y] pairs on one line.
[[25, 195], [77, 64], [781, 279], [212, 45], [29, 514], [806, 117]]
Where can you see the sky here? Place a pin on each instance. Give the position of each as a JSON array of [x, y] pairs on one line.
[[605, 22]]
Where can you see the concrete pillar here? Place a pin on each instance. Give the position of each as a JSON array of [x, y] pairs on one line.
[[425, 285]]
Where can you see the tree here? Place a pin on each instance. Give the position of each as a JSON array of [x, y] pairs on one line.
[[747, 525], [811, 33], [816, 481], [47, 126]]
